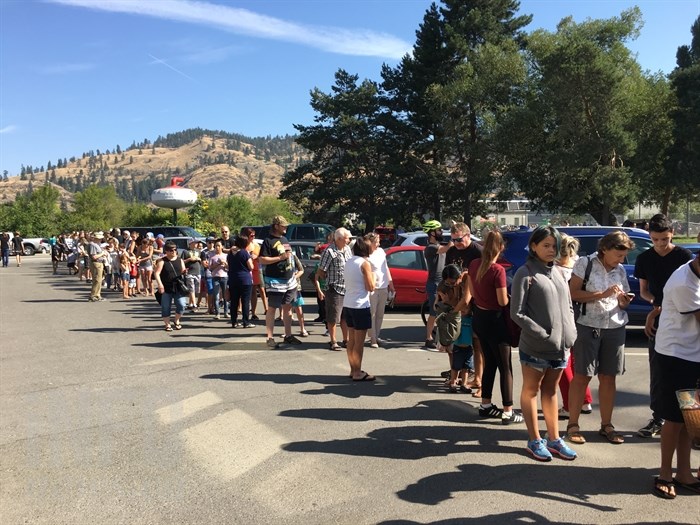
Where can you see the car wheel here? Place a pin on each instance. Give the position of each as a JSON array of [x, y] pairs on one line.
[[29, 250]]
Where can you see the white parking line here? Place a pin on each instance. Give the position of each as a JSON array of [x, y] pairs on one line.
[[185, 408]]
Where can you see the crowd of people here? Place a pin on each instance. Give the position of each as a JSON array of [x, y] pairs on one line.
[[569, 311], [571, 317]]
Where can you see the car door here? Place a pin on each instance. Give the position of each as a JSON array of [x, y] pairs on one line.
[[409, 274], [305, 253]]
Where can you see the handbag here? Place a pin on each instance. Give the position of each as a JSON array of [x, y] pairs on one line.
[[511, 327], [179, 283]]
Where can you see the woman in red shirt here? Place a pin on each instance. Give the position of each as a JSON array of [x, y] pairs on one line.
[[487, 285]]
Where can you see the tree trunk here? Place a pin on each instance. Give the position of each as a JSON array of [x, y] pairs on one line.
[[666, 200], [604, 216]]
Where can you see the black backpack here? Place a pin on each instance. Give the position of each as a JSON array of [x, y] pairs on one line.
[[580, 308]]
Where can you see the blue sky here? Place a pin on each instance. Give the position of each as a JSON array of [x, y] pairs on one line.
[[77, 75]]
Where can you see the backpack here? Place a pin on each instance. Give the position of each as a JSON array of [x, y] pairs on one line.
[[580, 308]]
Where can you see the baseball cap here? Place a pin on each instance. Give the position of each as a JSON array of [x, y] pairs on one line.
[[99, 235], [279, 219], [211, 239], [150, 235], [193, 240], [160, 236]]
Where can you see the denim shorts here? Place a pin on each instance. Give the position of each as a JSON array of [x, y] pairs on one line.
[[542, 364]]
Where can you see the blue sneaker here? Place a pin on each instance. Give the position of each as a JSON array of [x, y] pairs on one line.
[[561, 449], [538, 449]]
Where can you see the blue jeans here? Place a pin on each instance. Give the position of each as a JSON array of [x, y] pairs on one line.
[[6, 257], [166, 300], [240, 293], [219, 284]]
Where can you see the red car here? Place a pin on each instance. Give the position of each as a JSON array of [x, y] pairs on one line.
[[409, 272]]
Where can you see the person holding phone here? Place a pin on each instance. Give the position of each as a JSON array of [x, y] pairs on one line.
[[600, 343]]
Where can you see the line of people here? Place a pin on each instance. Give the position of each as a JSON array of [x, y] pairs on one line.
[[568, 307]]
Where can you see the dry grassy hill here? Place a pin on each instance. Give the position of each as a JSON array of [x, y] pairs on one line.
[[211, 164]]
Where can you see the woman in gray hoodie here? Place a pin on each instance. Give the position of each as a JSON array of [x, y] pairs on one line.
[[541, 306]]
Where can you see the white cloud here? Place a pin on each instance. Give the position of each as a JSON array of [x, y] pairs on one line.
[[64, 68], [331, 39], [8, 129]]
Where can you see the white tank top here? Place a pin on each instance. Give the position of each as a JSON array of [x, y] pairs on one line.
[[356, 296]]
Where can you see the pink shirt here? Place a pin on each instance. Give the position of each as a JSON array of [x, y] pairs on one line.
[[216, 264]]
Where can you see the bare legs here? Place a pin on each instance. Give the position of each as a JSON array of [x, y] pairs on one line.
[[534, 381], [355, 351]]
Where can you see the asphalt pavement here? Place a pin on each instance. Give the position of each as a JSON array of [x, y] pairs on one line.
[[106, 418]]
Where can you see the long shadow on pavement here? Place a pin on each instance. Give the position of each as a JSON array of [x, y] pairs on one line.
[[516, 517]]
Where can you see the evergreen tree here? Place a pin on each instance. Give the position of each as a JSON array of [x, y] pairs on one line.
[[684, 154]]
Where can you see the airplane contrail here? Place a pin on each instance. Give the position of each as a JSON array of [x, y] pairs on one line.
[[161, 61]]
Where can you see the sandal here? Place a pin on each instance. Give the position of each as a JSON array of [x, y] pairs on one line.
[[178, 326], [168, 328], [574, 436], [664, 489], [476, 391], [692, 487], [608, 432]]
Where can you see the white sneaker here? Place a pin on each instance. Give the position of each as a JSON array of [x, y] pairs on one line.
[[564, 414], [374, 345], [586, 409]]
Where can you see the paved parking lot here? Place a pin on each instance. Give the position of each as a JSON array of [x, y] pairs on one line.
[[105, 418]]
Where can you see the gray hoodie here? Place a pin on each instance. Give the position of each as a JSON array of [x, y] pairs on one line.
[[541, 306]]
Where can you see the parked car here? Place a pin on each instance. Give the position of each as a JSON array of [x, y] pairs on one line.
[[36, 245], [298, 232], [517, 250], [305, 250], [409, 272], [183, 243], [693, 247], [419, 238], [387, 235]]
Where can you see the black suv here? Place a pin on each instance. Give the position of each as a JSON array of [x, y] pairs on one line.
[[298, 232]]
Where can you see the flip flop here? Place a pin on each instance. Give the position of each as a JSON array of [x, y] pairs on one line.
[[692, 487], [366, 377], [660, 484], [178, 326]]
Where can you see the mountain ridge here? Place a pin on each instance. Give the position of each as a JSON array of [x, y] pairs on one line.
[[213, 163]]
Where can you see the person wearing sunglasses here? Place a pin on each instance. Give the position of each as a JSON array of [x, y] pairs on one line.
[[168, 269], [462, 251], [226, 240]]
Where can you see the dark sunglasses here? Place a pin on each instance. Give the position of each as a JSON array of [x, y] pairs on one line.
[[171, 250], [457, 239]]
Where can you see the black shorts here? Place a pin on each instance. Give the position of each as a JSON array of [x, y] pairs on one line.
[[358, 318], [672, 374]]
